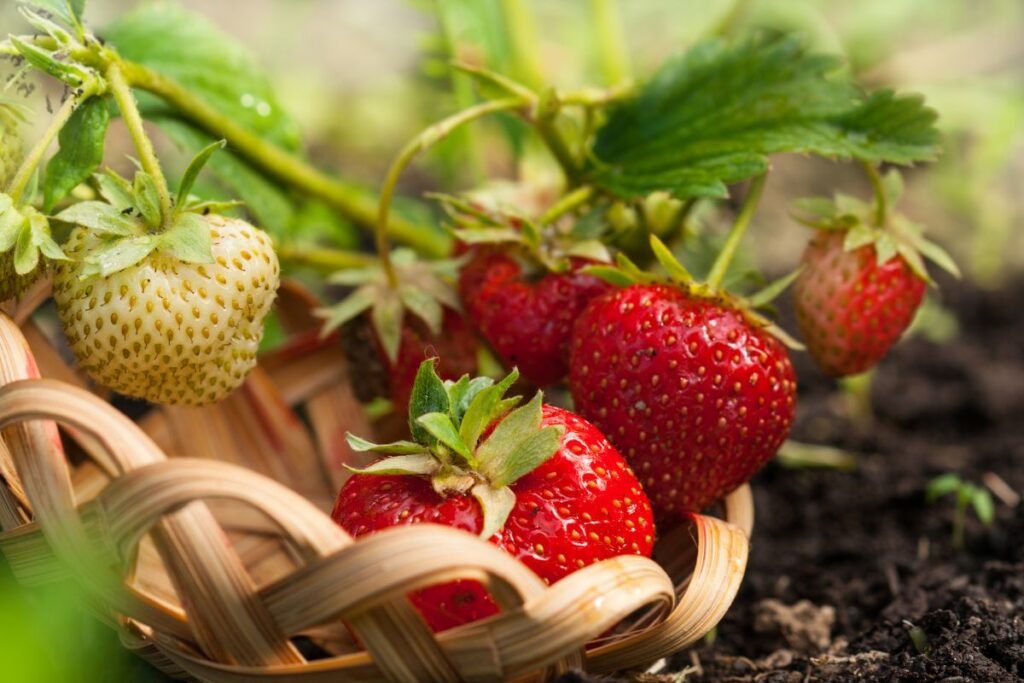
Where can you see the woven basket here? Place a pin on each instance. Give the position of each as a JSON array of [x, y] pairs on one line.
[[201, 536]]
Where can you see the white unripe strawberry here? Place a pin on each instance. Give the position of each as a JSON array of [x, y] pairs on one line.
[[167, 330]]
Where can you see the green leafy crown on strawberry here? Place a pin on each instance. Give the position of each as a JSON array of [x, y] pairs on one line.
[[449, 422], [874, 223], [133, 227]]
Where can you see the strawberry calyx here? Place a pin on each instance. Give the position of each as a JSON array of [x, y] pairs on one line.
[[547, 242], [131, 224], [424, 289], [454, 445], [626, 273], [874, 223], [26, 231]]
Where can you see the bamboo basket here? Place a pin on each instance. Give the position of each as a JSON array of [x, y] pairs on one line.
[[201, 536]]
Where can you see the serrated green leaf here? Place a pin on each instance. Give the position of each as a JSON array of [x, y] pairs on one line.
[[428, 396], [188, 239], [147, 199], [422, 464], [496, 504], [941, 485], [485, 407], [361, 445], [509, 434], [26, 254], [440, 426], [711, 117], [423, 306], [209, 63], [81, 150], [188, 179], [101, 217], [347, 309], [119, 254]]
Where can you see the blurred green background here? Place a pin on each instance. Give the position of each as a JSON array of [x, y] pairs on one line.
[[363, 77]]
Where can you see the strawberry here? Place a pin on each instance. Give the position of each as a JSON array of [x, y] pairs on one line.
[[694, 392], [165, 329], [527, 320], [862, 280], [851, 308], [538, 481], [374, 375]]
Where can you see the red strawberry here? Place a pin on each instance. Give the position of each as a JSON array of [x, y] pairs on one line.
[[528, 321], [851, 309], [694, 394], [539, 482], [374, 375]]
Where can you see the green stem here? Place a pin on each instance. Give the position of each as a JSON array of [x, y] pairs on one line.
[[739, 228], [428, 137], [881, 204], [547, 109], [522, 35], [351, 202], [323, 259], [122, 92], [730, 21], [960, 519], [611, 41], [567, 203], [28, 165]]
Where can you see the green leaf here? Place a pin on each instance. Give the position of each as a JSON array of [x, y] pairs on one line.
[[773, 289], [147, 199], [941, 485], [592, 250], [11, 221], [983, 506], [119, 254], [421, 464], [428, 396], [188, 179], [70, 11], [461, 395], [81, 150], [26, 255], [209, 63], [496, 504], [188, 239], [396, 447], [46, 61], [610, 274], [711, 117], [101, 217], [116, 190], [440, 426], [490, 236], [347, 309], [485, 407]]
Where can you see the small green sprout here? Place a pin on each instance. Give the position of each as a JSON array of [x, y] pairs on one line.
[[968, 496]]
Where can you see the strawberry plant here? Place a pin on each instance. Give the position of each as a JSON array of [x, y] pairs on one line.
[[967, 497]]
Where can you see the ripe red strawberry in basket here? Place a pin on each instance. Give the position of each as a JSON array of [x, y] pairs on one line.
[[538, 481]]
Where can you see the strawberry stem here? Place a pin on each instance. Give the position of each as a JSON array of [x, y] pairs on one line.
[[323, 259], [122, 93], [424, 140], [35, 155], [611, 43], [566, 204], [739, 228], [881, 207]]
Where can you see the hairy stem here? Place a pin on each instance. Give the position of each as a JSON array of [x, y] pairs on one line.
[[739, 228], [881, 203], [28, 165], [120, 89], [322, 259], [611, 42], [351, 202], [428, 137]]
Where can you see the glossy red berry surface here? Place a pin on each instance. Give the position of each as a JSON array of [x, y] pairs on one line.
[[850, 308], [695, 396], [581, 506], [527, 321]]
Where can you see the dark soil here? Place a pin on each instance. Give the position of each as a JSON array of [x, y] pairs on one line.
[[848, 569]]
